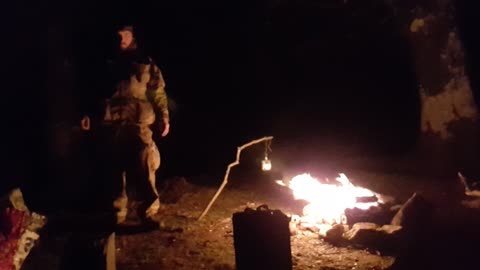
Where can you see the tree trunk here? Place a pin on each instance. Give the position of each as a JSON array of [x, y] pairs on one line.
[[449, 116]]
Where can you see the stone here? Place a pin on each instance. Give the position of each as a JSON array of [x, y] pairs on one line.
[[390, 229], [373, 236], [472, 204], [415, 214], [335, 234]]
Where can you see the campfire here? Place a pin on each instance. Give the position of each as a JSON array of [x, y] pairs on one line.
[[328, 201]]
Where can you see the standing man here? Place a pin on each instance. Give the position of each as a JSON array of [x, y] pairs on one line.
[[139, 102]]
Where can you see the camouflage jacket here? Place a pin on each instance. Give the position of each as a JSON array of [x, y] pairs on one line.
[[140, 78]]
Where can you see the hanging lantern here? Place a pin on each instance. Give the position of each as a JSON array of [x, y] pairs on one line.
[[266, 163]]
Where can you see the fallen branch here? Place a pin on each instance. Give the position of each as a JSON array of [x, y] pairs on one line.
[[225, 178]]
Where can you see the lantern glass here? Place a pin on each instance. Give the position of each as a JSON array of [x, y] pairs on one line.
[[266, 165]]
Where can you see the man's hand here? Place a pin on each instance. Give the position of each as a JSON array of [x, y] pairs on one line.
[[85, 123], [166, 127]]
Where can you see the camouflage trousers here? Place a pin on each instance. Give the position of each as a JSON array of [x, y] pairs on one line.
[[134, 158]]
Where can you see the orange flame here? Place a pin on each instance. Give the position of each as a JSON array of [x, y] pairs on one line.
[[327, 202]]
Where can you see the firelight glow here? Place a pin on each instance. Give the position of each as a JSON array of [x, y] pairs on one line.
[[327, 202]]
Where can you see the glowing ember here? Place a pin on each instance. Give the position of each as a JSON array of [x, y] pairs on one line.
[[327, 202]]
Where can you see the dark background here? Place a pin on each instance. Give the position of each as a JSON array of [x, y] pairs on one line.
[[313, 74]]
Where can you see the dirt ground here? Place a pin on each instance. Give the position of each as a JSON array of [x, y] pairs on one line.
[[184, 242], [208, 244]]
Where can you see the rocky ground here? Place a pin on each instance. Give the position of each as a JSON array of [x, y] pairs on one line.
[[184, 242], [208, 244]]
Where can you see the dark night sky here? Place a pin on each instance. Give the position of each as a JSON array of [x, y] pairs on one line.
[[237, 70]]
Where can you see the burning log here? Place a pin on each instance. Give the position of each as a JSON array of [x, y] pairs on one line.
[[381, 214], [376, 221], [327, 202], [367, 199]]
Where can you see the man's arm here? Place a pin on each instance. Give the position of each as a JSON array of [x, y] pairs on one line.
[[158, 97]]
